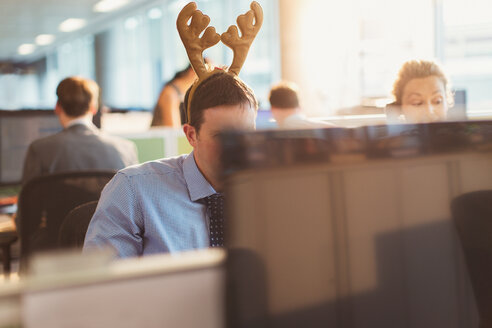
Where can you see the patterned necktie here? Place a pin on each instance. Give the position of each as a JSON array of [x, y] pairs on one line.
[[215, 206]]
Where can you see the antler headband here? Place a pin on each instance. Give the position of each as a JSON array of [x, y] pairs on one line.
[[195, 45]]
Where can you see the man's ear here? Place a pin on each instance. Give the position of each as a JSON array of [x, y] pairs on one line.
[[58, 109], [93, 109], [191, 134]]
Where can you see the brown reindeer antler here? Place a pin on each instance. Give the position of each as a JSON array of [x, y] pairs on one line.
[[190, 36], [240, 45], [194, 45]]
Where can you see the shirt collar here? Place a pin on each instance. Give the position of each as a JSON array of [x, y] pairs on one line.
[[198, 186], [87, 121]]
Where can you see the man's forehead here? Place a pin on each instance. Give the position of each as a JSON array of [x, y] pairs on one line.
[[241, 115]]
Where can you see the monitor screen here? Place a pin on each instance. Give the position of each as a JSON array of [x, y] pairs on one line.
[[17, 130], [264, 120], [457, 112]]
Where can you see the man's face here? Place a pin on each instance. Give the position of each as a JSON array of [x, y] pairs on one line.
[[206, 142]]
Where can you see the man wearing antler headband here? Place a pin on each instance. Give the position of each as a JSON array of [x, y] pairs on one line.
[[175, 204]]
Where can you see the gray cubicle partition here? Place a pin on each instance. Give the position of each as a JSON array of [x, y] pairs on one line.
[[182, 290], [327, 236]]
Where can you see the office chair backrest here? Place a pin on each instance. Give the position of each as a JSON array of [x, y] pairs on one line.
[[46, 200], [74, 226], [472, 214]]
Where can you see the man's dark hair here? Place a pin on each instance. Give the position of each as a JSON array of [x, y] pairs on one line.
[[284, 95], [219, 89], [76, 94]]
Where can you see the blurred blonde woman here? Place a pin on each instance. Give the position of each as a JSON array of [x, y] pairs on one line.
[[422, 93]]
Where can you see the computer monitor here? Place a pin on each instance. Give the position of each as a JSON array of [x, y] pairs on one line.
[[458, 111], [264, 120], [317, 239], [17, 130]]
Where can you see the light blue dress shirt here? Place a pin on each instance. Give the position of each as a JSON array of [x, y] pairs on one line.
[[153, 208]]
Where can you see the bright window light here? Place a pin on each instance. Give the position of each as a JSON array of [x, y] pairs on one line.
[[105, 6], [72, 24], [26, 49], [44, 39]]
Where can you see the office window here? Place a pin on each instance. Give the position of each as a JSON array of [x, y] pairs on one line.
[[392, 32], [72, 58], [11, 98], [141, 52], [262, 67], [351, 50], [125, 65], [34, 86], [466, 49], [76, 58]]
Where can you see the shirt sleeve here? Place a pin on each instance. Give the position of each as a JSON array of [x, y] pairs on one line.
[[117, 221]]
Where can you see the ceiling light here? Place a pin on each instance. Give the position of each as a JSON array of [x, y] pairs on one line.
[[154, 13], [131, 23], [44, 39], [105, 6], [26, 49], [72, 24]]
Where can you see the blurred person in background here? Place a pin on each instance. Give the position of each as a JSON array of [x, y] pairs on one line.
[[169, 108], [168, 111], [422, 94], [286, 109], [80, 145]]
